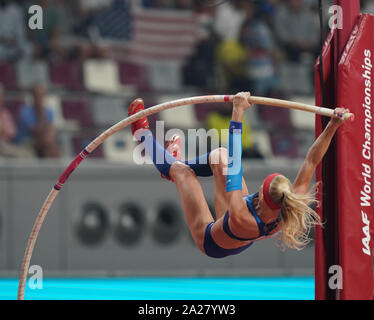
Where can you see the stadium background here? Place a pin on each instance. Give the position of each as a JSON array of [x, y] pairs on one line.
[[91, 59]]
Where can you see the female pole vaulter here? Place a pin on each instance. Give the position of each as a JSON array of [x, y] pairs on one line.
[[242, 218]]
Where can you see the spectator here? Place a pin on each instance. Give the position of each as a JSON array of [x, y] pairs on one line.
[[297, 29], [68, 45], [256, 37], [231, 55], [199, 69], [230, 65], [7, 127], [269, 9], [13, 42], [36, 126], [220, 121], [229, 19], [8, 131]]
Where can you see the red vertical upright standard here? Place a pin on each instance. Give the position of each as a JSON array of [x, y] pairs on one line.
[[345, 245], [355, 167]]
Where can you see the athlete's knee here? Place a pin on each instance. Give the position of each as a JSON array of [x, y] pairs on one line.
[[218, 158], [180, 170]]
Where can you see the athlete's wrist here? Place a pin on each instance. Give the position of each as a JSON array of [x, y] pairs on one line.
[[237, 114]]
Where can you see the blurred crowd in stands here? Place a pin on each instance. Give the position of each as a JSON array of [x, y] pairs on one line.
[[241, 45]]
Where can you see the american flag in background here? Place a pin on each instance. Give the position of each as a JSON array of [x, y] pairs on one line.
[[163, 34], [114, 22], [149, 35]]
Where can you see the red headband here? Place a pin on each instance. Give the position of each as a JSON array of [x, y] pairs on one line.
[[265, 190]]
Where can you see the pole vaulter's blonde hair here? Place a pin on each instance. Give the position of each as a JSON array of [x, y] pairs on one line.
[[297, 216]]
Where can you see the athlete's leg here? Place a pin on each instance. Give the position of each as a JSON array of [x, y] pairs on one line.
[[194, 205], [218, 160]]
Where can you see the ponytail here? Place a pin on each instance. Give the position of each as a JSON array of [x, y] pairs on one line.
[[297, 215]]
